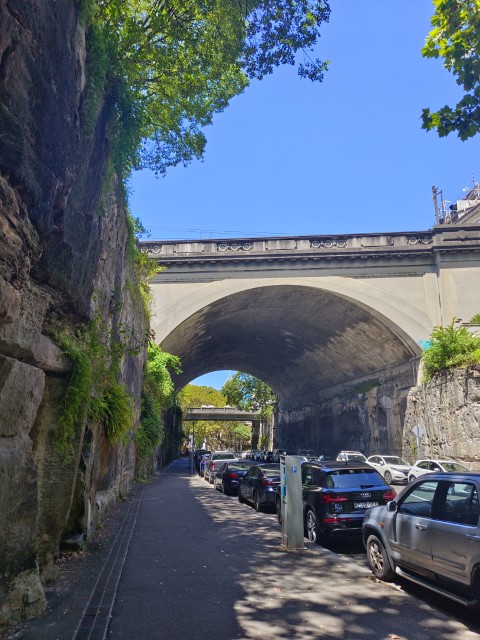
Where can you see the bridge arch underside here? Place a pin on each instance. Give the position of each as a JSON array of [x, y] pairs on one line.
[[302, 341]]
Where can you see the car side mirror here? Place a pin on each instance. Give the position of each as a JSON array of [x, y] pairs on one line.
[[392, 506]]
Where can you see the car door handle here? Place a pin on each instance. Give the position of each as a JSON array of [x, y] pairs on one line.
[[472, 538], [421, 527]]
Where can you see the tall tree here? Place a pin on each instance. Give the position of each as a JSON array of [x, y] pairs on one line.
[[248, 392], [166, 67], [455, 38]]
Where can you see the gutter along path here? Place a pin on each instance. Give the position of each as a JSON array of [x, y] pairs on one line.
[[201, 565]]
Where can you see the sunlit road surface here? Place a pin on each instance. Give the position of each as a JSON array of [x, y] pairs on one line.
[[219, 571]]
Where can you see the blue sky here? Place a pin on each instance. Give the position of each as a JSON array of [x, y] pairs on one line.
[[343, 156]]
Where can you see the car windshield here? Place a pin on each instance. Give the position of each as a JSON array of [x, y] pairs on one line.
[[395, 460], [453, 466], [353, 478], [356, 457]]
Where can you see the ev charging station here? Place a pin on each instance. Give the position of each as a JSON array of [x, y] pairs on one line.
[[292, 502]]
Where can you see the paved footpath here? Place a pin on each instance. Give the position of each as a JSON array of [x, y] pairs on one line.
[[185, 562]]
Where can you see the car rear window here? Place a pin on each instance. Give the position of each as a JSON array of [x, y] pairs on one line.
[[224, 456], [353, 478], [239, 465], [271, 473]]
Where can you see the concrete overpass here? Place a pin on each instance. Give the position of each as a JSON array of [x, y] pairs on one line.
[[221, 413], [318, 318]]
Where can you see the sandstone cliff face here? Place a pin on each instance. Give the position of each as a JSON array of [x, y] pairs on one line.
[[447, 409], [368, 417], [62, 258]]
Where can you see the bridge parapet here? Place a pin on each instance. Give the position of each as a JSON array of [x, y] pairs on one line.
[[438, 239]]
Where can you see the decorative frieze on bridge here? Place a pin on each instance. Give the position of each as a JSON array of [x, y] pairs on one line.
[[440, 239]]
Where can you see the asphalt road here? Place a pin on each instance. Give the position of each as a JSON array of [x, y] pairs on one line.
[[200, 565]]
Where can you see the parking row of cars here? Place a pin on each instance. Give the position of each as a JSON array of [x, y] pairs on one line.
[[396, 470], [429, 533]]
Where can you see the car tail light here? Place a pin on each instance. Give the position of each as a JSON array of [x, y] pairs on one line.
[[212, 467], [390, 495], [332, 497], [266, 482], [232, 475]]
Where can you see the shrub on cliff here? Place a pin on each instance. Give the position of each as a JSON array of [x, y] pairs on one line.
[[166, 67], [450, 346]]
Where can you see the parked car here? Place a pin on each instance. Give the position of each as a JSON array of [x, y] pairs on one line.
[[197, 456], [336, 495], [430, 535], [228, 474], [202, 463], [352, 456], [392, 468], [431, 466], [267, 456], [214, 461], [258, 485]]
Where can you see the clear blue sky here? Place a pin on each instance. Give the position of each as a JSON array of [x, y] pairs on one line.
[[343, 156]]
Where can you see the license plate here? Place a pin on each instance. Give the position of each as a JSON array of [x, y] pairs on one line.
[[365, 505]]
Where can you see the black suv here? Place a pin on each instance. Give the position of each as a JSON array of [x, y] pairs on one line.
[[336, 495]]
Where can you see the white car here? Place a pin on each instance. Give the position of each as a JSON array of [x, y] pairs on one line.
[[392, 468], [430, 466]]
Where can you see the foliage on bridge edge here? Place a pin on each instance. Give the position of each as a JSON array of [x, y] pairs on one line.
[[451, 346]]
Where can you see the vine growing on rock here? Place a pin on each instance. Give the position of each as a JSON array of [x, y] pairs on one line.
[[157, 394], [96, 350], [144, 267]]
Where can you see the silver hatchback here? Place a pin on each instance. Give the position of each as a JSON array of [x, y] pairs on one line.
[[430, 535]]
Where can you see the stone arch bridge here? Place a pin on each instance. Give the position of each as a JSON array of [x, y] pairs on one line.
[[334, 324]]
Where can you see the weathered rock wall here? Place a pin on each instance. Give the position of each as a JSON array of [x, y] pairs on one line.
[[63, 259], [368, 417], [447, 410]]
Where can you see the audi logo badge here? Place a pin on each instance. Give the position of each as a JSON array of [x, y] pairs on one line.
[[365, 495]]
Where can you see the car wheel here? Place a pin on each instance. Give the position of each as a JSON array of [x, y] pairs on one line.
[[311, 526], [257, 503], [388, 477], [411, 478], [278, 509], [240, 497], [378, 559]]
